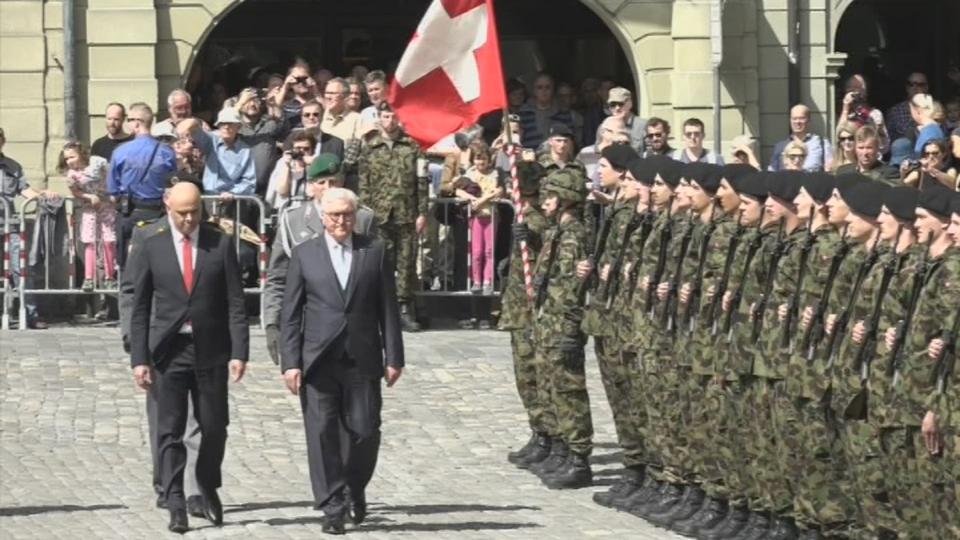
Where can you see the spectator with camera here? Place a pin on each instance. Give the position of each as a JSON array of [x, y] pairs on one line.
[[298, 89], [857, 110], [933, 166], [260, 131], [289, 177], [819, 152]]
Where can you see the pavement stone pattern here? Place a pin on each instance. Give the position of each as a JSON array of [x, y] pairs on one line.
[[74, 461]]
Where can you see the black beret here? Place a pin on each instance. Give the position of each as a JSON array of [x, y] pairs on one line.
[[955, 204], [901, 201], [936, 198], [619, 155], [642, 170], [561, 130], [754, 185], [668, 169], [784, 185], [848, 180], [734, 172], [710, 182], [693, 172], [866, 199], [819, 185]]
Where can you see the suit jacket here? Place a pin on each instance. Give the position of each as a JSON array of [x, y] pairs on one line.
[[321, 322], [215, 308]]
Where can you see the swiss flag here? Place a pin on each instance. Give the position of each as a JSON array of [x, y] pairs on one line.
[[450, 73]]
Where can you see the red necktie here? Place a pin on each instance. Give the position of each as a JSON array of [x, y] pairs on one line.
[[187, 264]]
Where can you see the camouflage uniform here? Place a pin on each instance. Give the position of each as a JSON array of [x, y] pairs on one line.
[[516, 316], [598, 322], [389, 184]]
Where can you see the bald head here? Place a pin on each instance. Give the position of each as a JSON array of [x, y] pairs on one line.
[[184, 206], [799, 120]]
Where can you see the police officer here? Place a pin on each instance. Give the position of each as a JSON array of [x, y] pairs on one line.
[[297, 224]]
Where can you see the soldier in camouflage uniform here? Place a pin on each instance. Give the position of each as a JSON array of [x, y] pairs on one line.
[[517, 317], [615, 222], [557, 336], [715, 238], [560, 155], [389, 184]]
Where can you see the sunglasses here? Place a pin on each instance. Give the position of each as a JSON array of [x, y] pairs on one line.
[[846, 139], [615, 104], [930, 154], [311, 114], [654, 135], [796, 156], [692, 134]]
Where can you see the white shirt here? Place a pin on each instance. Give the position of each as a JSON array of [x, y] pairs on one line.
[[341, 255], [187, 328]]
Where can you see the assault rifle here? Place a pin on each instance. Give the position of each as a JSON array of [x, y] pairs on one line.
[[696, 290], [598, 248], [843, 319], [669, 314], [948, 355], [816, 330], [717, 304], [752, 249], [868, 347], [666, 234], [645, 230], [545, 281], [895, 363], [612, 284], [771, 276], [786, 335]]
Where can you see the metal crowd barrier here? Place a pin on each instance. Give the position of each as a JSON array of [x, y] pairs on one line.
[[8, 293], [448, 237], [218, 214]]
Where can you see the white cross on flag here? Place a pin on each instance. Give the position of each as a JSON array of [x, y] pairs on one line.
[[450, 73]]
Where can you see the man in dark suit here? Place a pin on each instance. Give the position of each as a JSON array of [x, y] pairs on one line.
[[341, 334], [187, 325]]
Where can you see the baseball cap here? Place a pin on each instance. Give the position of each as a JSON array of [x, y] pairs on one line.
[[228, 115], [618, 95]]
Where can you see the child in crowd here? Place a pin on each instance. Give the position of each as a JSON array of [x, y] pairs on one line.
[[484, 184], [87, 180]]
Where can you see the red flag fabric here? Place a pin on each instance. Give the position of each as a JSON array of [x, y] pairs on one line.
[[450, 73]]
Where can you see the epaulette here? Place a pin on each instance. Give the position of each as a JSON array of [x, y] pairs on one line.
[[141, 223]]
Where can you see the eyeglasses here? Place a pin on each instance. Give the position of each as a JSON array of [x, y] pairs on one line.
[[615, 104], [310, 114], [654, 135], [846, 139], [796, 156], [693, 134], [339, 216], [134, 119]]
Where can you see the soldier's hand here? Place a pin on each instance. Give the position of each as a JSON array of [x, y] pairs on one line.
[[931, 434], [421, 225], [859, 332], [782, 312], [890, 337], [727, 300], [645, 283], [584, 268], [662, 290], [711, 292], [828, 324], [685, 291], [626, 271], [753, 311], [605, 272], [935, 348], [273, 343], [806, 317]]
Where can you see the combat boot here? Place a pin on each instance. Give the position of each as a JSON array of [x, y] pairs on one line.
[[782, 528], [647, 490], [629, 482], [407, 321], [539, 452], [557, 457], [757, 527], [689, 503], [518, 455], [669, 496], [711, 512], [730, 527], [575, 474]]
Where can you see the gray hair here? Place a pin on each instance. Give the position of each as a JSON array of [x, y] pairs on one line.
[[144, 110], [375, 76], [339, 194], [176, 92], [343, 84]]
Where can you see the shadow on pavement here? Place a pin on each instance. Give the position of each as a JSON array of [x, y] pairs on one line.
[[421, 509], [31, 510], [252, 507]]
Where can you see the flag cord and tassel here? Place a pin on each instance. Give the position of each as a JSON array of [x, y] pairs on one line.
[[513, 150]]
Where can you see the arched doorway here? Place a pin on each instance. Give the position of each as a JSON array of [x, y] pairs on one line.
[[569, 39], [886, 40]]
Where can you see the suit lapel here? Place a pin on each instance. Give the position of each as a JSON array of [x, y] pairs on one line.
[[328, 264], [356, 263]]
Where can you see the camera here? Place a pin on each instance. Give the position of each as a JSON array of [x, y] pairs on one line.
[[296, 154], [913, 164], [301, 80]]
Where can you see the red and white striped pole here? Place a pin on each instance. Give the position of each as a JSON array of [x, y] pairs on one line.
[[518, 206]]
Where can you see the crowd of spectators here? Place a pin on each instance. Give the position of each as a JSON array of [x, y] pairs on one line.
[[262, 142]]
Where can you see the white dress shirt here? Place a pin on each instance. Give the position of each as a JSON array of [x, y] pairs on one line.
[[187, 328], [341, 255]]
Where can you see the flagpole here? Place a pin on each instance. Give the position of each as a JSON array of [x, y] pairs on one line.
[[518, 204]]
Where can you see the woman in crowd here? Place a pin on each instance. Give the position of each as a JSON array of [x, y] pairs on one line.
[[288, 179], [87, 181], [933, 166], [846, 147], [922, 110], [483, 185], [794, 155]]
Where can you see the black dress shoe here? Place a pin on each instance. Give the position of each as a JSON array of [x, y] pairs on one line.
[[212, 507], [358, 508], [178, 521], [333, 524], [195, 506]]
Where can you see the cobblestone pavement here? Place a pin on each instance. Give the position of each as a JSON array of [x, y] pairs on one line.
[[74, 461]]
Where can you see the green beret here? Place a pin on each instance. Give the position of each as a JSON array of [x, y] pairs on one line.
[[324, 165]]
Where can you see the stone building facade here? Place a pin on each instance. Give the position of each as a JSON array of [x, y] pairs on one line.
[[138, 50]]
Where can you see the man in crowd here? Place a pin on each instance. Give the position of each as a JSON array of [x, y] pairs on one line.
[[611, 131], [868, 159], [310, 115], [14, 183], [819, 150], [260, 131], [354, 100], [900, 122], [389, 183], [140, 171], [657, 139], [338, 120], [857, 110], [229, 168], [180, 108], [620, 102], [303, 89], [376, 86], [114, 117], [565, 101], [537, 116], [296, 226], [187, 326], [693, 150]]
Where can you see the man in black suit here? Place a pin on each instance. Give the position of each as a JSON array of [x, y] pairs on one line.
[[341, 334], [187, 326]]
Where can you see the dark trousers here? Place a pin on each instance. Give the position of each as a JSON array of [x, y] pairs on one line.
[[177, 382], [125, 229], [338, 402]]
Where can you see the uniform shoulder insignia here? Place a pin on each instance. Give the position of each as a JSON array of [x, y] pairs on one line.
[[141, 223]]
